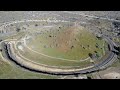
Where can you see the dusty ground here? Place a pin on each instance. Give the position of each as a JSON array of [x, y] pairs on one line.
[[110, 73]]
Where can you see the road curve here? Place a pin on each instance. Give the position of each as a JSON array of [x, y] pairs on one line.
[[108, 61], [37, 68]]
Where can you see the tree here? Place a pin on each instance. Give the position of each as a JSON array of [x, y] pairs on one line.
[[118, 34], [97, 55], [59, 27], [95, 51], [1, 50], [119, 54], [50, 36], [88, 45], [116, 24], [36, 25], [18, 29], [72, 47], [89, 77], [117, 48], [90, 55], [116, 52]]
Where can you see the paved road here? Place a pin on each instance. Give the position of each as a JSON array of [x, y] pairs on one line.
[[108, 60]]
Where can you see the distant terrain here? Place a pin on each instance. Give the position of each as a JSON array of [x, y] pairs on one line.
[[59, 44]]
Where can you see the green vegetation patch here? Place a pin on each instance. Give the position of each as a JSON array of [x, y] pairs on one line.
[[12, 71], [74, 43]]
